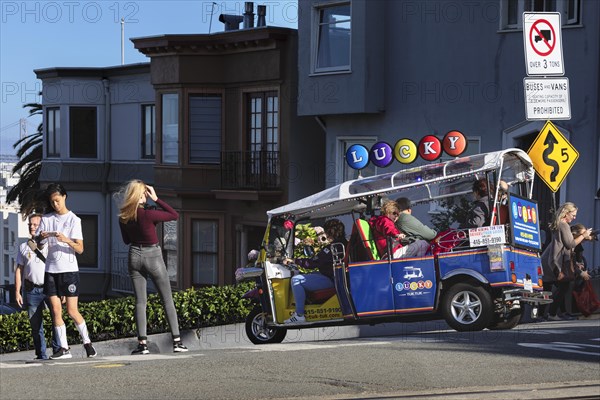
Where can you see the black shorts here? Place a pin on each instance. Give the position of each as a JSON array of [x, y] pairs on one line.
[[61, 284]]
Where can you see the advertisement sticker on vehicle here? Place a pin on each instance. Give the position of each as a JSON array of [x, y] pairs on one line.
[[524, 221]]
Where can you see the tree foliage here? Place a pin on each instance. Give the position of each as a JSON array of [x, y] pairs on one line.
[[29, 166]]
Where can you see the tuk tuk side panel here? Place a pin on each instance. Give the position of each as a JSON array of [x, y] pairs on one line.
[[414, 284], [371, 289], [472, 260], [281, 295], [340, 287], [526, 265], [498, 272]]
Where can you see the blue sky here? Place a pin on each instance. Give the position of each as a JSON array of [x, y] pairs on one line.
[[44, 34]]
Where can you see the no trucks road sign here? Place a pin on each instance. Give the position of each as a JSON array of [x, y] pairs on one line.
[[543, 43], [552, 156]]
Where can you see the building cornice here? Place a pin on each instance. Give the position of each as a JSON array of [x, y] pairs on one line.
[[93, 72], [214, 43]]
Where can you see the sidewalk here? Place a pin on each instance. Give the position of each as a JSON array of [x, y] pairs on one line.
[[234, 336]]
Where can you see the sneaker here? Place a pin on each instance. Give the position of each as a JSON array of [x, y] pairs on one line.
[[141, 349], [295, 319], [178, 347], [90, 350], [566, 317], [554, 318], [61, 354]]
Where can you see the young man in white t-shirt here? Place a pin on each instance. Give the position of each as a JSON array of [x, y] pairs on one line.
[[61, 232]]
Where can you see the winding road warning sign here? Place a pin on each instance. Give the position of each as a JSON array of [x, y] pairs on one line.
[[552, 155], [543, 43]]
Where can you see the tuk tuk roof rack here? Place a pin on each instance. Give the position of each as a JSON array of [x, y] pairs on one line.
[[352, 195]]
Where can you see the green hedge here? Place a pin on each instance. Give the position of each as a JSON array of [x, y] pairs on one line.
[[115, 318]]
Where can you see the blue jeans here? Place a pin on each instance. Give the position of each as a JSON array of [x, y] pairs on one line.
[[310, 282], [36, 302], [144, 262]]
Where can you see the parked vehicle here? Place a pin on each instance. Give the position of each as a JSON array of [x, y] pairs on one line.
[[473, 278]]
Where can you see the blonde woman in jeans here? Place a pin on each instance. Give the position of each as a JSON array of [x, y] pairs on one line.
[[138, 229], [559, 250]]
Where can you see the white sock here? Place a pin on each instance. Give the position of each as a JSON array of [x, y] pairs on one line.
[[61, 334], [85, 336]]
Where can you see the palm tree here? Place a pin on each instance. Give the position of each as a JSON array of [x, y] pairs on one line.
[[29, 166]]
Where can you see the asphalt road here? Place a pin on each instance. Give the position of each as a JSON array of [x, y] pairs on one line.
[[543, 360]]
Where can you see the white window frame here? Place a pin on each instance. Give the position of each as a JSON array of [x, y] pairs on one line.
[[562, 6], [315, 42], [343, 170], [170, 125]]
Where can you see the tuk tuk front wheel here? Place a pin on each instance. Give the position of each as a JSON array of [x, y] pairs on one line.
[[467, 307], [259, 332]]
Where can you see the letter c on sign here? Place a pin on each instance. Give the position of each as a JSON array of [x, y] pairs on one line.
[[405, 151]]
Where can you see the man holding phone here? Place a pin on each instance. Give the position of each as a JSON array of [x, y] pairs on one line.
[[31, 267]]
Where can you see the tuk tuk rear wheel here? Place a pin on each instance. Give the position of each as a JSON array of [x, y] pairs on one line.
[[512, 321], [257, 330], [466, 307]]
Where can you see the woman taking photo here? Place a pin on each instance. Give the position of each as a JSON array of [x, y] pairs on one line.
[[138, 229], [556, 259]]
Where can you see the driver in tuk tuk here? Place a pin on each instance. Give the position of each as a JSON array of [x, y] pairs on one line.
[[480, 213], [323, 261]]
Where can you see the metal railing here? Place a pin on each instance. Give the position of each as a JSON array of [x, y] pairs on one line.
[[250, 170]]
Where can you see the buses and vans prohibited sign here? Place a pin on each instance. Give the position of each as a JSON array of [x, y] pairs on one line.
[[543, 43], [552, 156], [547, 98]]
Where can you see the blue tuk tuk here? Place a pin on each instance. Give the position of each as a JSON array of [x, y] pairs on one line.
[[473, 278]]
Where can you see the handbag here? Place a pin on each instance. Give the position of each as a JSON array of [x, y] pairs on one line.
[[586, 299]]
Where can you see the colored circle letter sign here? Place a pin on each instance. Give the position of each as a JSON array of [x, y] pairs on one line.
[[430, 148], [357, 156], [381, 154], [405, 151], [454, 143], [543, 43]]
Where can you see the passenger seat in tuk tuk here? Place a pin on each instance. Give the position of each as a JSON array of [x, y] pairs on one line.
[[366, 238]]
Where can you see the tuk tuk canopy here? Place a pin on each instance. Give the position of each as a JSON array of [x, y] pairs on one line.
[[430, 182]]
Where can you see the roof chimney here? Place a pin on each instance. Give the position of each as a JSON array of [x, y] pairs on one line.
[[232, 22], [261, 11], [248, 15]]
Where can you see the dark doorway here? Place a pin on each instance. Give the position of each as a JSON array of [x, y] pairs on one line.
[[541, 193]]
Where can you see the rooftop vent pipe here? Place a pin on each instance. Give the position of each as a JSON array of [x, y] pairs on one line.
[[248, 15], [232, 22], [261, 11]]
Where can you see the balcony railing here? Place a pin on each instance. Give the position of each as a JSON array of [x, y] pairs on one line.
[[250, 170]]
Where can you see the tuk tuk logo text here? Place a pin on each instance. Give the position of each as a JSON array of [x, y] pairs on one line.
[[405, 150], [420, 285], [524, 213]]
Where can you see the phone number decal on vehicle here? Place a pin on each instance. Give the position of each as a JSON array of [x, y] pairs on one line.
[[487, 235]]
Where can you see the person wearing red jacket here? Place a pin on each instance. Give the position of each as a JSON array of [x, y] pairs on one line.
[[383, 226]]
